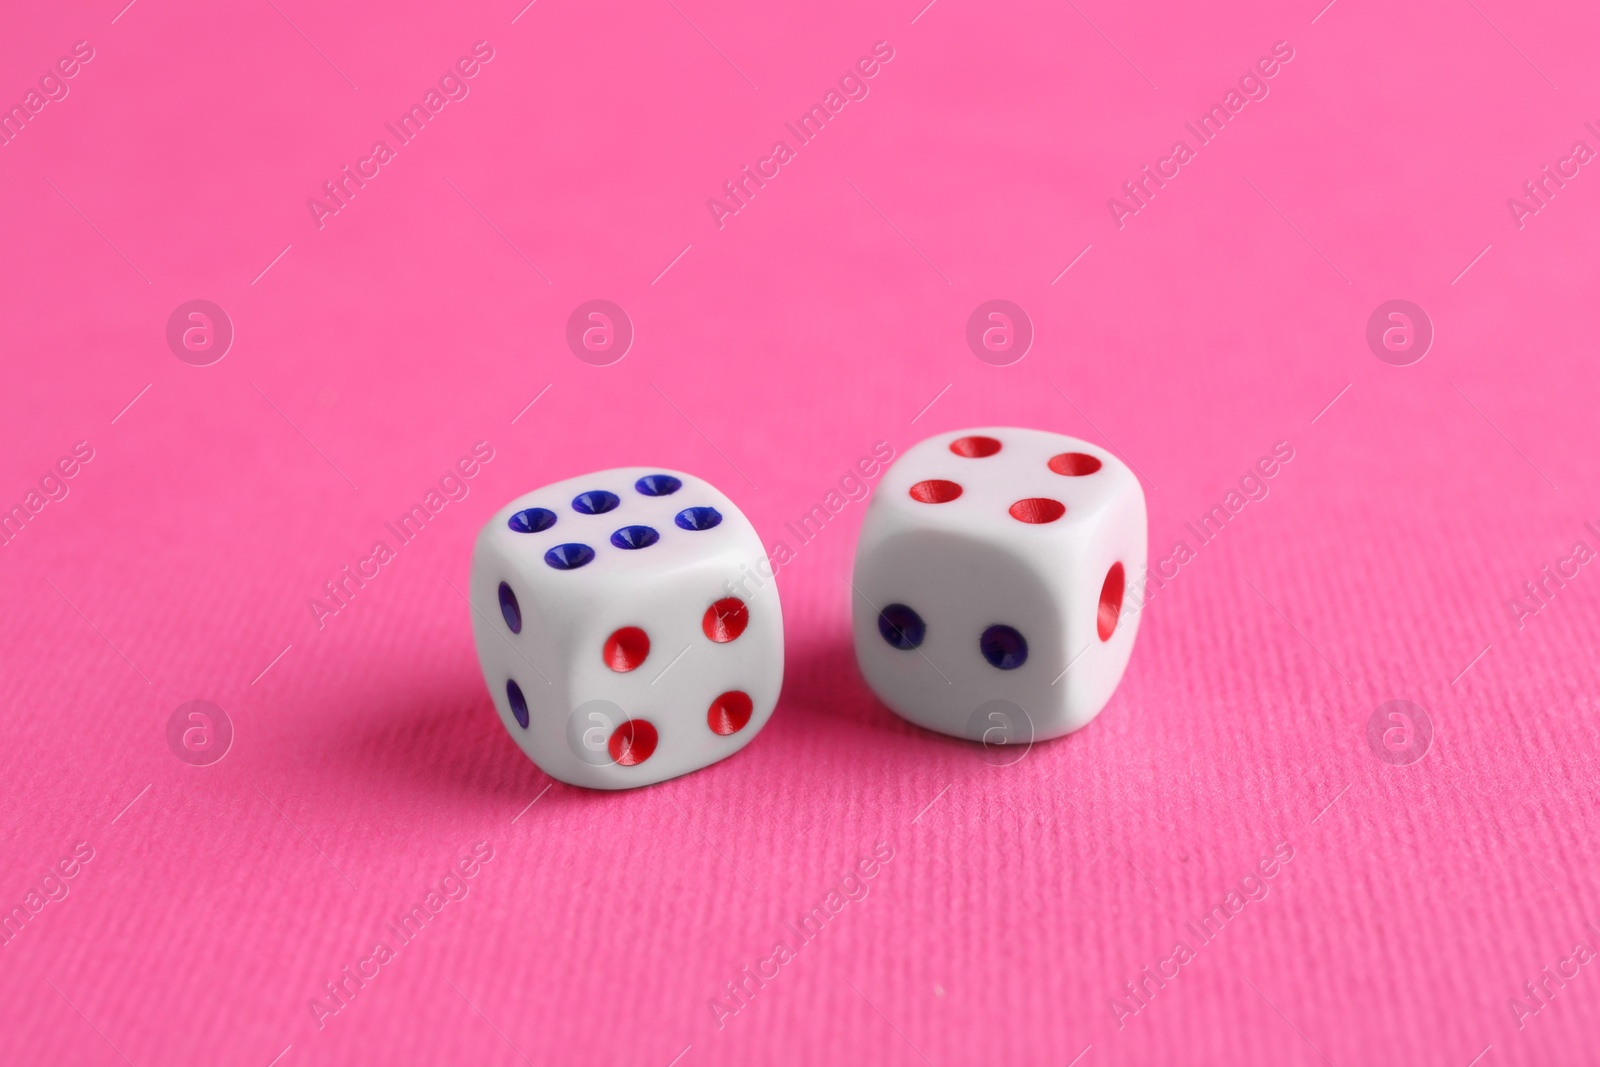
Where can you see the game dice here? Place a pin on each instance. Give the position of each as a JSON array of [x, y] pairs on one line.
[[990, 580], [617, 647]]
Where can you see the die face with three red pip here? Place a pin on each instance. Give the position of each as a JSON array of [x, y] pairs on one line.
[[616, 640], [991, 588]]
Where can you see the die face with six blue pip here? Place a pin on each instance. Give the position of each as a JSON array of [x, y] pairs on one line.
[[617, 648], [989, 583]]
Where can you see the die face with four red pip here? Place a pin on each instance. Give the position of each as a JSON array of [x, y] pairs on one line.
[[990, 583], [617, 648]]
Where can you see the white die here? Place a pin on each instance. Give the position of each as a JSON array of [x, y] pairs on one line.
[[990, 582], [616, 646]]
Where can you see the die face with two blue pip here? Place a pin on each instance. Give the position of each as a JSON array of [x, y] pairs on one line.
[[990, 580], [617, 647]]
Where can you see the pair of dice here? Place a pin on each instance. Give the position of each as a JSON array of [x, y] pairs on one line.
[[627, 636]]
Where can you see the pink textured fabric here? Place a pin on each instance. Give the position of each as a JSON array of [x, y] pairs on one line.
[[1191, 316]]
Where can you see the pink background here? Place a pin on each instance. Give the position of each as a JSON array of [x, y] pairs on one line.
[[823, 317]]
